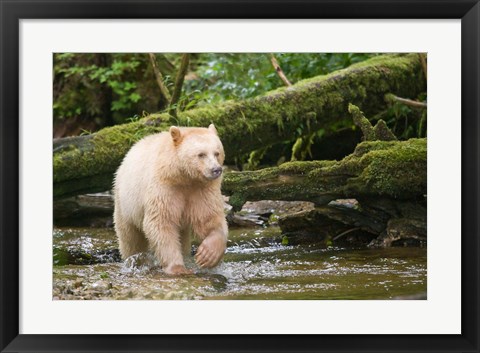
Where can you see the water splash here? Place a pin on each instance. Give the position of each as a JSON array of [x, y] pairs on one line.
[[255, 266]]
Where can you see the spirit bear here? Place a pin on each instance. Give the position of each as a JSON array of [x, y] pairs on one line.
[[168, 187]]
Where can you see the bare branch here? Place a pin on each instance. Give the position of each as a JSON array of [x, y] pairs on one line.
[[159, 78], [411, 103], [279, 70]]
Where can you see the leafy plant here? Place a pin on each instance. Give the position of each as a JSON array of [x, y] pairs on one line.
[[240, 76]]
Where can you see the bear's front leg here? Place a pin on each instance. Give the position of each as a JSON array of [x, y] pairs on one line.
[[165, 241], [212, 249]]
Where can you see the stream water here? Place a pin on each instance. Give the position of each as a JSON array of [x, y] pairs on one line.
[[256, 266]]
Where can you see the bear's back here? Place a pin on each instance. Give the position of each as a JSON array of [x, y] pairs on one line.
[[137, 172]]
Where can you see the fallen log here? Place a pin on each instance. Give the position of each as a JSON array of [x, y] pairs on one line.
[[87, 163], [393, 169], [375, 196], [393, 172]]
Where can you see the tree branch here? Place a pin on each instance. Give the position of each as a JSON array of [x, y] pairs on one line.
[[182, 71], [159, 78], [411, 103], [279, 70]]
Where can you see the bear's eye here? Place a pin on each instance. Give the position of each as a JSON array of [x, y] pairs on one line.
[[201, 155], [217, 154]]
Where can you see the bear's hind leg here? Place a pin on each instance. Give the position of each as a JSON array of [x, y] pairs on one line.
[[131, 240], [186, 241]]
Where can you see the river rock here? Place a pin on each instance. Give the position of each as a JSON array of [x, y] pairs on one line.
[[266, 212], [377, 221], [84, 246], [402, 232]]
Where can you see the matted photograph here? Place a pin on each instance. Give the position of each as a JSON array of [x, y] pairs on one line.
[[288, 176], [232, 176]]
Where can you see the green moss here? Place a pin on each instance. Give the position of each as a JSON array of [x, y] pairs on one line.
[[396, 59], [237, 201], [382, 132], [103, 152], [390, 98], [302, 167], [399, 172], [367, 146], [362, 122], [395, 169]]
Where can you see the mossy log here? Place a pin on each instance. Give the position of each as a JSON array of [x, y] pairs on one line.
[[379, 132], [87, 163], [393, 169]]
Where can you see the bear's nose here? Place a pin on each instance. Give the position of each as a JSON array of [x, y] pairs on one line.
[[216, 171]]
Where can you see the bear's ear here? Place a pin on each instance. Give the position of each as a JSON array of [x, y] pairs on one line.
[[213, 129], [176, 135]]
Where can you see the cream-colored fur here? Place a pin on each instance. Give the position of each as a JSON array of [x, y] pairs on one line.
[[167, 187]]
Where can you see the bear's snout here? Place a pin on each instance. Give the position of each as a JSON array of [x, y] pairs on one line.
[[216, 172]]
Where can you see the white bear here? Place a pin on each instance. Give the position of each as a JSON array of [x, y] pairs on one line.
[[168, 187]]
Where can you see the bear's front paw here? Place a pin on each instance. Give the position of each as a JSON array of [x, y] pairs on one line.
[[176, 270], [210, 251]]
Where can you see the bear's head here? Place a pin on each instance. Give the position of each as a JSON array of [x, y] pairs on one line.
[[199, 152]]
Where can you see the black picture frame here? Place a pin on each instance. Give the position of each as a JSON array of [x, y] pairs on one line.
[[12, 11]]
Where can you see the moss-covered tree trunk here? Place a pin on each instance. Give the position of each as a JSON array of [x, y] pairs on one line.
[[393, 169], [86, 164], [375, 196]]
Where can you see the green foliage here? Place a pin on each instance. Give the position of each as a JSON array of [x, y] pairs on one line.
[[406, 122], [255, 157], [239, 76], [302, 148], [299, 66], [109, 89], [228, 76], [103, 88]]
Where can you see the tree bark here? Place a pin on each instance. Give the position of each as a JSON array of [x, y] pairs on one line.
[[182, 71], [158, 76], [86, 164]]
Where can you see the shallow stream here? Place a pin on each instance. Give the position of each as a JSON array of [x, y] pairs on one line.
[[256, 266]]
